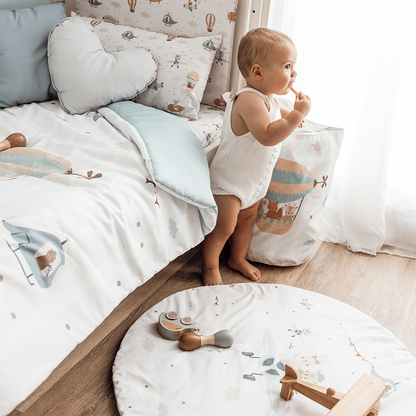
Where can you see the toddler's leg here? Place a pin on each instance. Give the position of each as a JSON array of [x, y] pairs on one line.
[[228, 209], [240, 240]]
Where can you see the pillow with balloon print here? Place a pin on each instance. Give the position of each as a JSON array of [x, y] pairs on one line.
[[184, 64], [289, 217]]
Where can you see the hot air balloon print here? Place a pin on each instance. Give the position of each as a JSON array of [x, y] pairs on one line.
[[192, 79], [231, 16], [110, 19], [132, 5], [42, 251], [94, 22], [210, 21], [289, 185], [22, 161]]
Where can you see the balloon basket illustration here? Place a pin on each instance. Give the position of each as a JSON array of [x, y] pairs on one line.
[[42, 251], [291, 182]]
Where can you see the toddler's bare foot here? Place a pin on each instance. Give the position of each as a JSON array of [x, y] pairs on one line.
[[244, 267], [211, 277]]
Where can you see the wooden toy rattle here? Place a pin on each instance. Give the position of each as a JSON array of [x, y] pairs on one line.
[[14, 140], [362, 399], [171, 326], [191, 341]]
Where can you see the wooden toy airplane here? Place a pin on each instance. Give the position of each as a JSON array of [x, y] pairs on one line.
[[362, 399]]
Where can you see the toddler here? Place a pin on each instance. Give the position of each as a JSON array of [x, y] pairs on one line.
[[253, 128]]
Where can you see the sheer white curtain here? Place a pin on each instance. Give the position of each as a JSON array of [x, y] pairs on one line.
[[357, 61]]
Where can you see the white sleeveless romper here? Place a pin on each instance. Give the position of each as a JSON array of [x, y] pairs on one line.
[[243, 166]]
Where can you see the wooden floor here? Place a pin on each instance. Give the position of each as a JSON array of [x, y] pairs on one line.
[[384, 287]]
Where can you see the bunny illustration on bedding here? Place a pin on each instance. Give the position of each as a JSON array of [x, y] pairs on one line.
[[132, 4]]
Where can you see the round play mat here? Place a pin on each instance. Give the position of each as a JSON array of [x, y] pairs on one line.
[[329, 343]]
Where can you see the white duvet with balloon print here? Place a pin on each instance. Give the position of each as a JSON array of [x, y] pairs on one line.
[[82, 225]]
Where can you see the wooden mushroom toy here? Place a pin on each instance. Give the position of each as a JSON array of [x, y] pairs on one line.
[[14, 140], [190, 341]]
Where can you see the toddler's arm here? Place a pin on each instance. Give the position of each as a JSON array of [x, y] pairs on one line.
[[284, 112], [252, 110]]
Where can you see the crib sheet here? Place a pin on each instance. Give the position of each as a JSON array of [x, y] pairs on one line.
[[208, 126], [82, 225]]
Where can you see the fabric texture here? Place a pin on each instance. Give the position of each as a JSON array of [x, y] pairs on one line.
[[208, 126], [24, 72], [82, 225], [87, 77], [289, 218], [184, 64], [329, 344], [168, 157], [242, 166], [20, 4], [185, 18]]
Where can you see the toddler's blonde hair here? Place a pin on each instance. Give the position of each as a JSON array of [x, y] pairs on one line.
[[256, 46]]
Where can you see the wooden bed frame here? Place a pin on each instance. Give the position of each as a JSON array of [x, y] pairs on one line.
[[90, 363]]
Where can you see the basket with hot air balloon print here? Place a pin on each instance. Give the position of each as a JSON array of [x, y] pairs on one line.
[[289, 218], [290, 184]]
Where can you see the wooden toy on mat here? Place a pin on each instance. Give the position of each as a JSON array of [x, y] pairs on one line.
[[171, 326], [190, 341], [362, 399], [14, 140]]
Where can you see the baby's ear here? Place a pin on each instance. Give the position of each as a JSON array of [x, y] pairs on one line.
[[257, 72]]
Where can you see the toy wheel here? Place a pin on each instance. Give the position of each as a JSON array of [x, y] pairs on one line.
[[187, 320], [172, 315]]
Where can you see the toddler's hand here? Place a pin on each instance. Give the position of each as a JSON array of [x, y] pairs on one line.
[[302, 104]]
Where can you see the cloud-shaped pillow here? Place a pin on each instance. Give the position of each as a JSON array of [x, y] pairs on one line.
[[87, 77]]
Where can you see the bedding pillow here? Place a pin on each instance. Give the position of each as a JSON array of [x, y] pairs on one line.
[[175, 17], [24, 73], [20, 4], [87, 77], [289, 217], [184, 64]]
